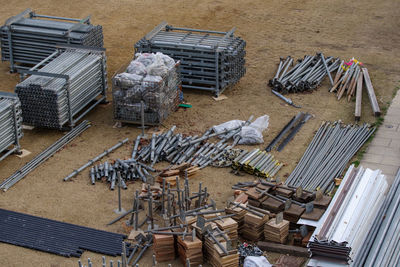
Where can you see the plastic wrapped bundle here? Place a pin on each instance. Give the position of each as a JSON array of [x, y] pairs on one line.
[[151, 78]]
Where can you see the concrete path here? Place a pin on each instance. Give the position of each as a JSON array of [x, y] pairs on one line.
[[384, 151]]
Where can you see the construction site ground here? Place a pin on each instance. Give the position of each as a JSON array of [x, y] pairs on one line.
[[367, 30]]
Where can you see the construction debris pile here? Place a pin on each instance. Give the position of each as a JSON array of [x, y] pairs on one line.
[[150, 87], [306, 75], [344, 229], [349, 77], [210, 60], [10, 124], [29, 38], [327, 155], [61, 92]]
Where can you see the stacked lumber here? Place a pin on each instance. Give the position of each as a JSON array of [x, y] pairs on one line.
[[276, 232], [199, 232], [273, 205], [230, 226], [190, 249], [163, 247], [253, 228], [293, 213], [239, 216], [216, 257], [177, 171], [255, 198]]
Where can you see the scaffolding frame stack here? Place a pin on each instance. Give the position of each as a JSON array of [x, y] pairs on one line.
[[10, 124], [210, 60], [66, 89], [28, 38]]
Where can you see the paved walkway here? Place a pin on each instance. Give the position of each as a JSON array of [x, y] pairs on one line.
[[384, 151]]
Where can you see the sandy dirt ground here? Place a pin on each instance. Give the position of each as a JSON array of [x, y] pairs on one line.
[[368, 30]]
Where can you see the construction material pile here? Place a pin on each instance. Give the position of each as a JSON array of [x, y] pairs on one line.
[[343, 230], [10, 124], [210, 60], [29, 40], [327, 155], [349, 77], [381, 245], [304, 76], [151, 82], [61, 92]]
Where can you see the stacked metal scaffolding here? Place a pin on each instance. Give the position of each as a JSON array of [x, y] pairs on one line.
[[28, 38], [10, 124], [60, 238], [327, 155], [210, 60], [62, 92]]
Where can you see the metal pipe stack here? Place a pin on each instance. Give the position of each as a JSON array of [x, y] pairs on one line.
[[210, 60], [10, 124], [381, 247], [43, 156], [54, 95], [326, 157], [28, 38], [306, 75]]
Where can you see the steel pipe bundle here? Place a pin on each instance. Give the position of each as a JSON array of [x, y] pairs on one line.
[[62, 92], [326, 157], [60, 238], [381, 246], [43, 156], [306, 75], [257, 162], [10, 124], [210, 60], [28, 38]]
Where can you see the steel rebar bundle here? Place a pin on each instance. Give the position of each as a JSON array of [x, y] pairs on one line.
[[326, 157], [306, 75], [43, 156], [60, 238], [62, 91], [210, 60], [10, 124], [28, 38]]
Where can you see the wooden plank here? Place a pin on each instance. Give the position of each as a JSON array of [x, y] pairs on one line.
[[357, 112], [283, 249], [371, 93]]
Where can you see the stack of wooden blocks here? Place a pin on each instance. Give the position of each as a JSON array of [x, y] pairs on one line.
[[276, 232], [216, 257], [238, 217], [190, 249], [253, 228], [163, 247], [177, 171], [230, 226]]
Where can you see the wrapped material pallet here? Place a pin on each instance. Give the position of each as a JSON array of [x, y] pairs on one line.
[[151, 80]]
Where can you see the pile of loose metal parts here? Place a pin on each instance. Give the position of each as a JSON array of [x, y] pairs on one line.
[[306, 75], [210, 60], [10, 124], [30, 40], [62, 91], [350, 77]]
